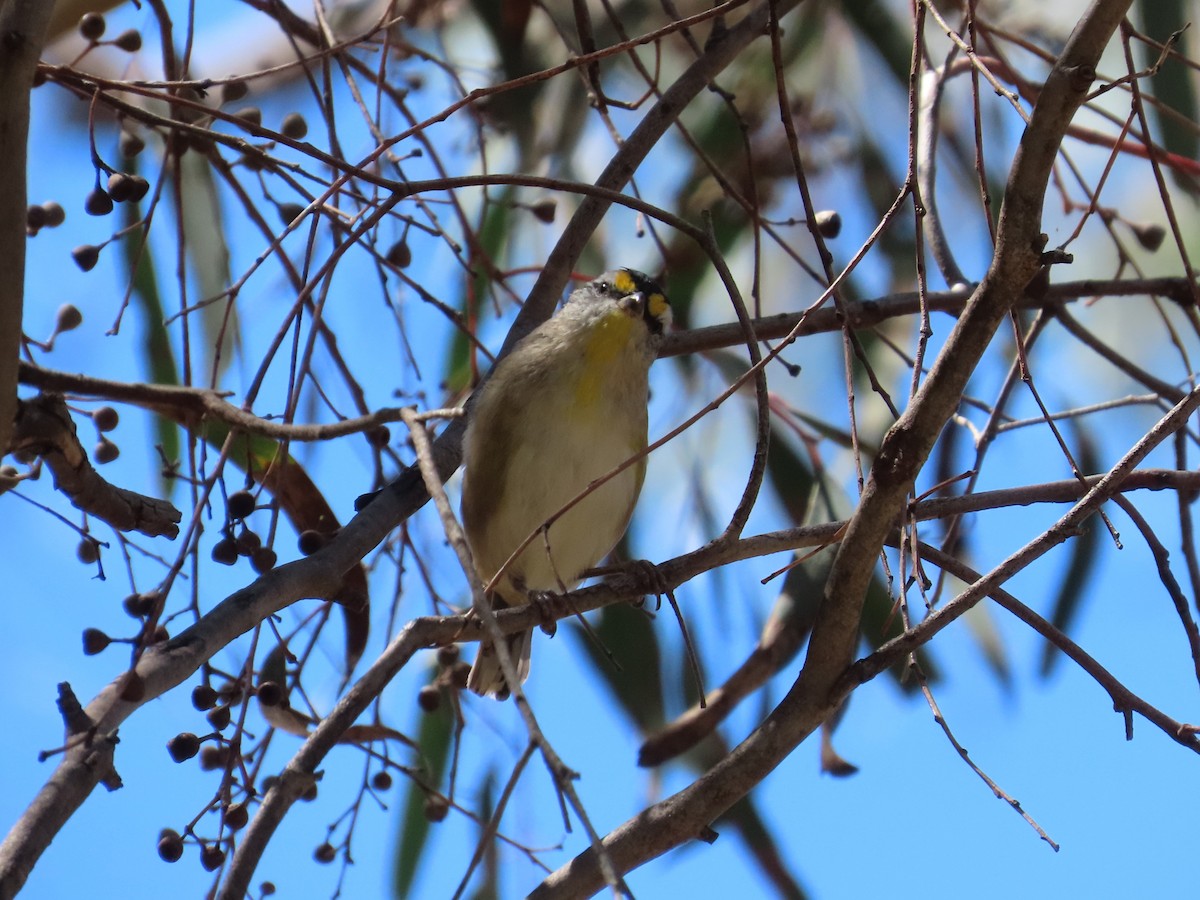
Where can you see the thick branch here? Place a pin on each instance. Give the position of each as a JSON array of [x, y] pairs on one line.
[[780, 643], [904, 451], [673, 573], [169, 664], [862, 314], [682, 817], [22, 32], [908, 443], [318, 576], [189, 404]]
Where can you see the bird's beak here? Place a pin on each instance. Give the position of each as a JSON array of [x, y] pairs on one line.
[[634, 305]]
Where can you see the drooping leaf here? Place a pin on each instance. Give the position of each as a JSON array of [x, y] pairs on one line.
[[1084, 554], [208, 255], [305, 507], [434, 739], [890, 37], [1172, 83], [832, 762], [282, 715], [492, 241], [791, 476], [630, 636], [981, 622], [764, 848], [507, 24], [156, 343], [751, 827], [488, 884]]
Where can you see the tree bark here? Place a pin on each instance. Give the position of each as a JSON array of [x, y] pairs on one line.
[[22, 32]]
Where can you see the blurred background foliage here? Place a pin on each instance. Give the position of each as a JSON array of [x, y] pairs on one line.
[[267, 258]]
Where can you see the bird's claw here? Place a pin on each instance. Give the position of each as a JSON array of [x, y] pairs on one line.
[[542, 602], [648, 571]]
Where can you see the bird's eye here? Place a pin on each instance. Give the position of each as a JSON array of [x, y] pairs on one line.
[[606, 287]]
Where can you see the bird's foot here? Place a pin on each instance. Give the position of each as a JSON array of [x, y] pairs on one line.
[[643, 568], [543, 603]]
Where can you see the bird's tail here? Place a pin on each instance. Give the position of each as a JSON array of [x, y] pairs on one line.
[[486, 677]]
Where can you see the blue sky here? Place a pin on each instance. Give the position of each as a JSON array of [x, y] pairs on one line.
[[915, 821]]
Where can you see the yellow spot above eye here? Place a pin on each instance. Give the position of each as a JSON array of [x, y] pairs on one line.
[[624, 283]]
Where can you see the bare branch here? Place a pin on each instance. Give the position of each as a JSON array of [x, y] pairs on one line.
[[44, 427], [467, 234], [907, 445]]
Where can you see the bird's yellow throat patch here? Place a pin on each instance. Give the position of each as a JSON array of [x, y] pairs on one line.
[[606, 343]]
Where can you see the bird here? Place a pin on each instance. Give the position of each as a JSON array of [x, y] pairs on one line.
[[565, 407]]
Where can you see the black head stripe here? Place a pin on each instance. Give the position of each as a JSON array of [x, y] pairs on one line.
[[623, 282]]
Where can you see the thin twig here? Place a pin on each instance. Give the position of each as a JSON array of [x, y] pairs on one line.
[[999, 792]]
